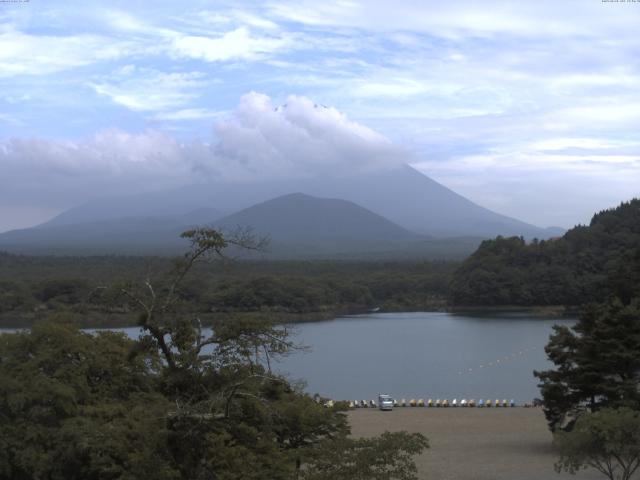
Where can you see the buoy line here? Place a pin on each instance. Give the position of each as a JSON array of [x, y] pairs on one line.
[[497, 362]]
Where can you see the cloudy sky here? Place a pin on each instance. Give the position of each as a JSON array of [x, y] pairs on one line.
[[530, 108]]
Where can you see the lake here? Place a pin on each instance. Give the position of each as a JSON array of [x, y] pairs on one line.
[[423, 355], [420, 355]]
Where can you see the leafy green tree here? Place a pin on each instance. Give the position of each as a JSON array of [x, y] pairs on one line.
[[607, 440], [389, 456], [73, 407], [587, 264], [182, 402], [14, 295], [225, 391], [597, 363]]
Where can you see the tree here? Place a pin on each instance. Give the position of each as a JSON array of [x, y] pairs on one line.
[[389, 456], [588, 263], [607, 440], [179, 403], [73, 407], [597, 363]]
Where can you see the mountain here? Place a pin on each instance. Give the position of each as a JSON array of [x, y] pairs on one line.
[[303, 226], [123, 235], [302, 218], [136, 235], [587, 264], [402, 195], [297, 225]]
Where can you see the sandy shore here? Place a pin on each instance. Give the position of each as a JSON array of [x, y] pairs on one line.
[[474, 443]]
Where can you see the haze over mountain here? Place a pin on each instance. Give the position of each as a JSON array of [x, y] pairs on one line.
[[297, 225], [132, 235], [299, 217], [401, 194]]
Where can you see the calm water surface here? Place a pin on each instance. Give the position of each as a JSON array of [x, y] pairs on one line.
[[423, 355], [420, 355]]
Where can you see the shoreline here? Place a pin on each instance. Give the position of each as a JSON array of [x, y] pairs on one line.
[[102, 320]]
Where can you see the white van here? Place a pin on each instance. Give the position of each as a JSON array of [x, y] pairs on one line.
[[385, 402]]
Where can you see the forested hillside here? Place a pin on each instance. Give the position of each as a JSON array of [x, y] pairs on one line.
[[587, 264], [33, 287]]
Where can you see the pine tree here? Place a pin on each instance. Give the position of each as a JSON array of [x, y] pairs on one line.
[[597, 363]]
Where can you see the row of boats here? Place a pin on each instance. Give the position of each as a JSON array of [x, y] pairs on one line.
[[436, 403]]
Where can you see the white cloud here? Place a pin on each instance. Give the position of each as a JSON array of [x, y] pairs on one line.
[[581, 143], [463, 17], [129, 23], [23, 54], [237, 44], [189, 114], [299, 138], [484, 94], [149, 90], [607, 113], [257, 140], [619, 78], [553, 181], [107, 153], [393, 87], [235, 16], [58, 174], [10, 119], [12, 99], [255, 21]]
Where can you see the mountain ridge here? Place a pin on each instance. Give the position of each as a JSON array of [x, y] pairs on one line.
[[402, 195], [298, 225]]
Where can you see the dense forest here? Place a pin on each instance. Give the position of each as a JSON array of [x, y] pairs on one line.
[[588, 264], [32, 287]]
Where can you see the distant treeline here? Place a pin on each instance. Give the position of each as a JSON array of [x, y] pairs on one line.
[[86, 288], [588, 264]]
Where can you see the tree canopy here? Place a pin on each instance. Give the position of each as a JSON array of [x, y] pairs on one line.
[[597, 363], [31, 288], [587, 264], [181, 402], [608, 441]]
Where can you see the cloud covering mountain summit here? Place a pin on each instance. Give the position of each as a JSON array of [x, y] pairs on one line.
[[299, 138], [258, 140]]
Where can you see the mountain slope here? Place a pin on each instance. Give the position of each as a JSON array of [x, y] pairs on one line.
[[586, 265], [298, 226], [298, 217], [302, 226], [140, 235], [403, 195]]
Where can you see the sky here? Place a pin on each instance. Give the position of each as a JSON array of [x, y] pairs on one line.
[[529, 108]]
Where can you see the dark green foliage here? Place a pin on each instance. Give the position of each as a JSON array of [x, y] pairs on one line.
[[608, 441], [73, 408], [385, 457], [80, 406], [32, 287], [597, 363], [176, 404], [67, 291], [292, 294], [15, 296], [587, 264]]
